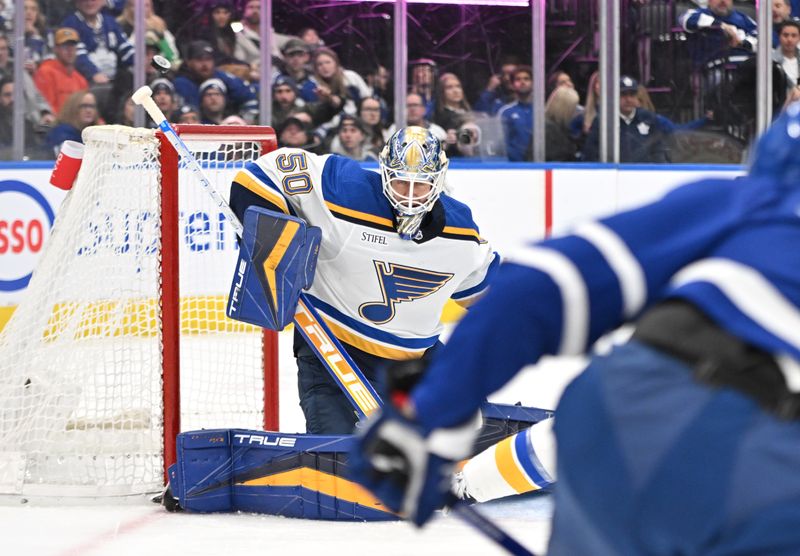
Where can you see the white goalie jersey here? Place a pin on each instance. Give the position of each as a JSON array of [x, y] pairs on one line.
[[377, 292]]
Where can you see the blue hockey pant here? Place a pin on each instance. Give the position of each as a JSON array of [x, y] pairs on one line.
[[650, 461]]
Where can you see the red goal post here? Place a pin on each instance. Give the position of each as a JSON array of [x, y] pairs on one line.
[[265, 137]]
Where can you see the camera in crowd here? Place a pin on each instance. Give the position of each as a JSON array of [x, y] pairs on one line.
[[468, 134]]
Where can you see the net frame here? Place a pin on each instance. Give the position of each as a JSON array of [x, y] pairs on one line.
[[170, 284]]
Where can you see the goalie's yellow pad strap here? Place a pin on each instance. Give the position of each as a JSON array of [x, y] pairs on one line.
[[324, 483]]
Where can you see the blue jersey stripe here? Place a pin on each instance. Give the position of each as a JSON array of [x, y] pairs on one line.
[[524, 455]]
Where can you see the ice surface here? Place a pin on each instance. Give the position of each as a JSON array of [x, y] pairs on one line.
[[142, 528]]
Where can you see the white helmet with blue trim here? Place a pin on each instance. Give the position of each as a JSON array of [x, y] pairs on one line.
[[412, 158]]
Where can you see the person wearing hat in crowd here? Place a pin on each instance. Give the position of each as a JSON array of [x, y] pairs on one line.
[[164, 94], [199, 67], [296, 58], [285, 101], [186, 114], [213, 105], [642, 134], [295, 133], [423, 83], [57, 78], [351, 140]]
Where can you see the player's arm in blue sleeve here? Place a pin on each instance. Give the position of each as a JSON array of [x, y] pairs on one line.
[[696, 19], [560, 295]]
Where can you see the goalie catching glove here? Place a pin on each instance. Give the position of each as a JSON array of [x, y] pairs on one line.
[[405, 466]]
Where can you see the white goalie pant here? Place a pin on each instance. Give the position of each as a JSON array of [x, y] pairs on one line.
[[518, 464]]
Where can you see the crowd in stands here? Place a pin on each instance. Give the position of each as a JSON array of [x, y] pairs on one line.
[[78, 72]]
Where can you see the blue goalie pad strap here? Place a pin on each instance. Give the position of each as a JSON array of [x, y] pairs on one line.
[[277, 261], [291, 475]]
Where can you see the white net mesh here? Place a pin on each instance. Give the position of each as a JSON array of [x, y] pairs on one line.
[[80, 361]]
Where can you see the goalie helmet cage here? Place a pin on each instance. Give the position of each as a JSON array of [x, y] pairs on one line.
[[121, 340]]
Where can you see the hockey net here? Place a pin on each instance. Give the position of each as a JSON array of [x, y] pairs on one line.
[[121, 340]]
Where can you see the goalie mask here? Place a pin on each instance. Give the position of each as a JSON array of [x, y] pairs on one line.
[[413, 165]]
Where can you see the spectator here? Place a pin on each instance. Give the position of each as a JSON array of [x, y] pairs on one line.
[[7, 121], [451, 105], [78, 112], [788, 56], [156, 27], [582, 122], [285, 101], [295, 133], [351, 140], [186, 114], [380, 80], [517, 117], [499, 90], [332, 85], [36, 36], [218, 31], [452, 110], [234, 119], [37, 110], [781, 11], [559, 112], [199, 67], [558, 79], [164, 95], [370, 113], [723, 29], [423, 82], [212, 101], [125, 112], [57, 78], [415, 115], [103, 45], [296, 57], [310, 36], [642, 134]]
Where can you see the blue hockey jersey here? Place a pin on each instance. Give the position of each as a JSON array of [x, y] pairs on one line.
[[377, 292], [728, 246]]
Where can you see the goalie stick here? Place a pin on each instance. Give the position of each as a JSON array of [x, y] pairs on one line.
[[326, 346]]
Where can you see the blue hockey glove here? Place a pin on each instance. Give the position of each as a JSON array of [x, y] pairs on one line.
[[406, 469]]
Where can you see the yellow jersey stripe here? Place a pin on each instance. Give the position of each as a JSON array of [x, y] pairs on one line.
[[461, 232], [359, 215], [324, 483], [508, 468], [276, 256], [249, 182], [364, 344]]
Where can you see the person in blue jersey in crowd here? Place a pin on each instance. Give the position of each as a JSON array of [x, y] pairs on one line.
[[394, 249], [104, 47], [199, 67], [643, 134], [683, 440], [517, 117], [722, 31]]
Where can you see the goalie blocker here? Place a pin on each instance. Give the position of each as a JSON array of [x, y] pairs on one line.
[[295, 475], [277, 260]]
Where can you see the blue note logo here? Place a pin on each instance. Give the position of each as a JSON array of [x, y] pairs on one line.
[[400, 284]]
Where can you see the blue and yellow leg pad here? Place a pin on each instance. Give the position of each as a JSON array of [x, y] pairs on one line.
[[291, 475]]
